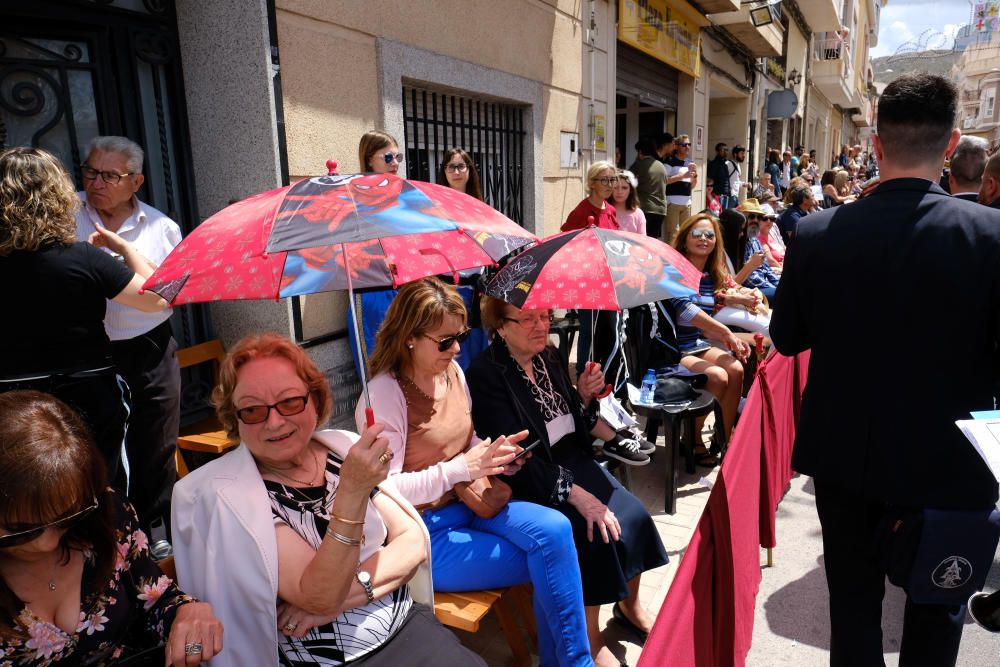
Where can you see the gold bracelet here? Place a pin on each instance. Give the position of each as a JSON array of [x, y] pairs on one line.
[[344, 539], [349, 522]]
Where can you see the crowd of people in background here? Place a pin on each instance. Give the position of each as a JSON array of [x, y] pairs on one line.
[[90, 393]]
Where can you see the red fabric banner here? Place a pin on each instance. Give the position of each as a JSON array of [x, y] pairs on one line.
[[708, 614]]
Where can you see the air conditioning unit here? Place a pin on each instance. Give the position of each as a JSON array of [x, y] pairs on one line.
[[967, 123]]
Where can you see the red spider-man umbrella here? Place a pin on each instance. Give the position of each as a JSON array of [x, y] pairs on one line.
[[595, 269], [298, 240]]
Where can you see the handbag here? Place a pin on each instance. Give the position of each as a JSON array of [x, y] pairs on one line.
[[938, 556], [485, 496]]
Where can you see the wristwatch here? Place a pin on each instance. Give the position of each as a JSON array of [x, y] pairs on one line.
[[365, 580]]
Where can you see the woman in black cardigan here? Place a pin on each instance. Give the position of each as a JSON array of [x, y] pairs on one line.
[[520, 382]]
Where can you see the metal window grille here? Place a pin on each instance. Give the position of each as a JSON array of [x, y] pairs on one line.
[[491, 132]]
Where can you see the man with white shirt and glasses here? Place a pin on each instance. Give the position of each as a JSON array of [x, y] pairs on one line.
[[142, 345]]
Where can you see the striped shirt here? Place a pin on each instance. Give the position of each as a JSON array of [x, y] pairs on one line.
[[688, 337]]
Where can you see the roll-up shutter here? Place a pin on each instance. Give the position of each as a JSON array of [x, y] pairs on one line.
[[652, 81]]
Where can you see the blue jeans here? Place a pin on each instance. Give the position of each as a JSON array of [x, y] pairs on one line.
[[769, 293], [524, 543]]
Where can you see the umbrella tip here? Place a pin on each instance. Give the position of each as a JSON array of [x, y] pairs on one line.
[[590, 221], [331, 167]]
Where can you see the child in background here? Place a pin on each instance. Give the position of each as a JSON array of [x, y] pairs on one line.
[[626, 203]]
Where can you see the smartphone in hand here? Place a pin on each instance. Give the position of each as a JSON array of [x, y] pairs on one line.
[[527, 449]]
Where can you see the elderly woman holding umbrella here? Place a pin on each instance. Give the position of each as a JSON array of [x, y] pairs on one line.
[[418, 391], [521, 382]]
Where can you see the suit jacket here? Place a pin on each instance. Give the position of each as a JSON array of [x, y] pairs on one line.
[[968, 196], [226, 552], [502, 404], [898, 296]]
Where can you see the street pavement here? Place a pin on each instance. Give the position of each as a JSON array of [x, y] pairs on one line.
[[791, 626]]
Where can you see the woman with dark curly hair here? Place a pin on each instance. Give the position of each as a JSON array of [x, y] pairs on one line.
[[58, 290], [77, 583]]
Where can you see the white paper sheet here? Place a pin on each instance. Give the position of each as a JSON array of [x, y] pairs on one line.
[[984, 434]]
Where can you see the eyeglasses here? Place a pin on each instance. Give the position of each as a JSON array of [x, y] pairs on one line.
[[24, 536], [444, 344], [393, 157], [699, 233], [456, 168], [109, 177], [286, 407], [531, 321], [606, 180], [684, 145], [754, 216]]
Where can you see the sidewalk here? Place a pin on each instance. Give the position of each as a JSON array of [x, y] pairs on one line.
[[675, 531]]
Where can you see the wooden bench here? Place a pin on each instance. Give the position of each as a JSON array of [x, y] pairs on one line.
[[205, 436], [464, 611]]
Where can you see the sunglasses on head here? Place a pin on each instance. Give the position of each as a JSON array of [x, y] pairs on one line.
[[393, 157], [286, 407], [26, 535], [699, 233], [444, 344]]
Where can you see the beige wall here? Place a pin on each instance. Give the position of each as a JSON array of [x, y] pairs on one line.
[[331, 80], [796, 58]]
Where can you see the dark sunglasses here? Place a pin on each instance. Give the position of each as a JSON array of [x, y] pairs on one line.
[[444, 344], [699, 233], [393, 157], [24, 536], [286, 407], [683, 145]]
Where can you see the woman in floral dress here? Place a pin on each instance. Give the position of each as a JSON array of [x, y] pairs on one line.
[[77, 583]]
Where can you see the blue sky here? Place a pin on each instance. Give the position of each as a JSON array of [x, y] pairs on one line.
[[928, 23]]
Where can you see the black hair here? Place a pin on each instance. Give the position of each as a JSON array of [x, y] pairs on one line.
[[719, 145], [665, 138], [646, 145], [916, 114]]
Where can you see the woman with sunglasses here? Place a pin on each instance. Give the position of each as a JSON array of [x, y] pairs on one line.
[[458, 171], [77, 583], [698, 241], [306, 559], [418, 392], [522, 382], [378, 152]]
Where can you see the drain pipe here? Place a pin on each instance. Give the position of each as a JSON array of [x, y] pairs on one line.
[[592, 47]]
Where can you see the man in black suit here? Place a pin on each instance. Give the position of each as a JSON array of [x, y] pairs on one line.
[[879, 432], [989, 191], [967, 164]]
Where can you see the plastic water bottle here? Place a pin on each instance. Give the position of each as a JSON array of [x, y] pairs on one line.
[[648, 387]]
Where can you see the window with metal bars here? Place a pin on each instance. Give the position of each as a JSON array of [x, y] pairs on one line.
[[491, 132]]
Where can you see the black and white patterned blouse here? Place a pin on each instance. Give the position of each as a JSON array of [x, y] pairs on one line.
[[558, 418], [358, 631]]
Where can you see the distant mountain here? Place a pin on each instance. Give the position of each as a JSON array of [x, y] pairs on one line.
[[935, 61]]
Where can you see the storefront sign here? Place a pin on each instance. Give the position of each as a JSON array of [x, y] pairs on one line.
[[668, 30], [599, 132]]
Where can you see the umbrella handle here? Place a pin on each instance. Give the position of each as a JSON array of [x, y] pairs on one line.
[[369, 416], [331, 168], [604, 392]]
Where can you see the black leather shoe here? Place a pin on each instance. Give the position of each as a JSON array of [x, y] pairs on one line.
[[620, 616]]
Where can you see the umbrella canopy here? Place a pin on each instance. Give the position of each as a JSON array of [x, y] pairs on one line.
[[595, 269], [332, 233]]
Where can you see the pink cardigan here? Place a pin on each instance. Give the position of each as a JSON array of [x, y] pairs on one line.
[[389, 404]]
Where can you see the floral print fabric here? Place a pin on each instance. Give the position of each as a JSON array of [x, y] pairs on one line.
[[130, 612]]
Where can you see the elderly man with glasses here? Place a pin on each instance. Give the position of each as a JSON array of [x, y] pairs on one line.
[[142, 345]]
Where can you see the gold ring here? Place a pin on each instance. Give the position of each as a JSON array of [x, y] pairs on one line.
[[385, 458], [192, 648], [290, 627]]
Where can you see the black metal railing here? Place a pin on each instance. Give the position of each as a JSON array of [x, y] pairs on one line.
[[491, 132]]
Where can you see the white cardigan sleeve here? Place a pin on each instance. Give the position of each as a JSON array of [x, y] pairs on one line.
[[420, 486]]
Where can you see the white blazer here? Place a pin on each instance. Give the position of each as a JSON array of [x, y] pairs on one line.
[[226, 552]]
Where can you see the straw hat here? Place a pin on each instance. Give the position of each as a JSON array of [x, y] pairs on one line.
[[750, 205]]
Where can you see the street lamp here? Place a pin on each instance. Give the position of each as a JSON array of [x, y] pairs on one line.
[[795, 77]]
